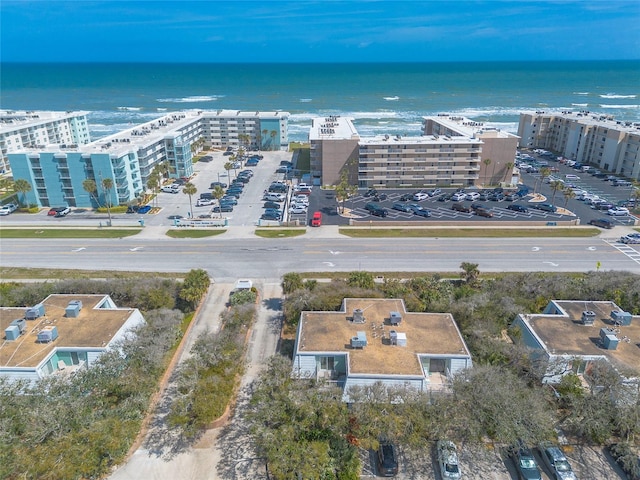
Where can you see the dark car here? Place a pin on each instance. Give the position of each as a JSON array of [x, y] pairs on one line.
[[602, 223], [402, 207], [545, 207], [517, 208], [53, 212], [252, 162], [461, 207], [206, 196], [444, 198], [271, 216], [372, 192], [174, 217], [387, 460], [496, 197], [435, 192], [526, 464], [230, 200], [477, 206], [420, 211], [217, 184], [405, 197], [144, 209], [481, 212], [271, 205], [233, 193], [380, 212], [483, 197], [223, 207]]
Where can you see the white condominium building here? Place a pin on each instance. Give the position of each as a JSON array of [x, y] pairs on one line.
[[586, 137], [30, 129]]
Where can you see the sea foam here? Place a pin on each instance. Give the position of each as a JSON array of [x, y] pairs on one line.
[[613, 95], [191, 99]]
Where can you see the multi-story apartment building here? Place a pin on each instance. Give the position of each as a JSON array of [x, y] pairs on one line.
[[586, 137], [57, 172], [452, 152], [20, 129]]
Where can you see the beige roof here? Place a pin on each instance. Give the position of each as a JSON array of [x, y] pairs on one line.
[[427, 333], [565, 335], [92, 328]]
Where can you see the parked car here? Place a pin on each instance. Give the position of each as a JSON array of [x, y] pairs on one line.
[[271, 205], [229, 199], [557, 463], [223, 207], [618, 211], [420, 196], [483, 196], [632, 238], [376, 210], [233, 193], [298, 209], [602, 206], [252, 162], [8, 208], [63, 212], [401, 207], [545, 207], [316, 220], [387, 460], [201, 202], [447, 455], [217, 184], [461, 207], [420, 211], [481, 212], [444, 198], [571, 176], [170, 189], [472, 196], [496, 196], [174, 217], [435, 192], [271, 216], [517, 208], [405, 197], [274, 197], [144, 209], [458, 196], [206, 196], [526, 464]]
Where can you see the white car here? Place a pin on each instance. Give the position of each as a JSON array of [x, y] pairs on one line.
[[298, 209], [472, 196], [618, 211], [448, 460], [170, 189], [632, 238], [202, 202], [418, 197], [301, 199], [274, 197], [571, 176], [8, 208], [456, 197]]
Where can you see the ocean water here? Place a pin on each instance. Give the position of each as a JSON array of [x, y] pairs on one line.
[[382, 97]]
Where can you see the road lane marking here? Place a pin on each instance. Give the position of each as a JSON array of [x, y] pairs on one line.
[[79, 249], [135, 249]]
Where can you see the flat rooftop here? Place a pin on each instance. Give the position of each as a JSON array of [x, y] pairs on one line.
[[587, 117], [92, 328], [467, 127], [418, 140], [427, 333], [333, 127], [565, 335], [11, 120]]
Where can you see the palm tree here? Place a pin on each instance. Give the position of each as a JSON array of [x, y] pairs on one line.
[[555, 186], [469, 272], [544, 173], [273, 134], [487, 162], [22, 186], [507, 170], [5, 183], [228, 167], [264, 136], [153, 184], [568, 195], [107, 185], [190, 189], [218, 193], [91, 188]]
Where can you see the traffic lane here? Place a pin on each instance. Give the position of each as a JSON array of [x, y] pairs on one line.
[[260, 259]]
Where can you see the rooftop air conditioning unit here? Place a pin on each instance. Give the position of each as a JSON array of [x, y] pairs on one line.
[[588, 317], [34, 312], [20, 323], [395, 318], [48, 334], [358, 315], [621, 317], [398, 338], [359, 341], [11, 333]]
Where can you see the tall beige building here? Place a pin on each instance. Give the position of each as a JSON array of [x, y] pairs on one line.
[[334, 147], [586, 137]]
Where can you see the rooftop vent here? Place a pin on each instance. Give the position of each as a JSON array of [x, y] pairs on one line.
[[34, 312], [11, 333], [588, 317], [621, 317], [20, 323], [358, 315], [395, 318], [73, 309], [359, 341]]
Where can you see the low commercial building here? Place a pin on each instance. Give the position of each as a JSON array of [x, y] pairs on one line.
[[377, 340], [30, 129], [56, 172], [61, 334], [586, 137], [573, 336]]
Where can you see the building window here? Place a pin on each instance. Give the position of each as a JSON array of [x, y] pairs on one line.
[[326, 363]]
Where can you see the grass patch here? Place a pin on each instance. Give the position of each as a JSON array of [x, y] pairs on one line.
[[67, 232], [279, 233], [191, 233], [553, 232], [8, 273]]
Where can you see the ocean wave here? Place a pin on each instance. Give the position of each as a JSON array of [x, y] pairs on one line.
[[130, 109], [579, 104], [391, 99], [161, 109], [581, 93], [613, 95], [305, 100], [191, 99], [619, 106]]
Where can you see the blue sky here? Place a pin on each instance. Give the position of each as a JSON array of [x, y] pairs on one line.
[[318, 31]]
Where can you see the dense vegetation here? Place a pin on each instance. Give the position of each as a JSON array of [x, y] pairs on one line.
[[501, 398], [80, 425]]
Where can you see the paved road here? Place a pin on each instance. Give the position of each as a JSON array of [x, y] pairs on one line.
[[240, 254]]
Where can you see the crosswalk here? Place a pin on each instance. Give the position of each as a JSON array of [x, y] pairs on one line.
[[625, 249]]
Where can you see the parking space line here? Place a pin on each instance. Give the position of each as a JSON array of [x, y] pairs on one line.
[[627, 250]]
